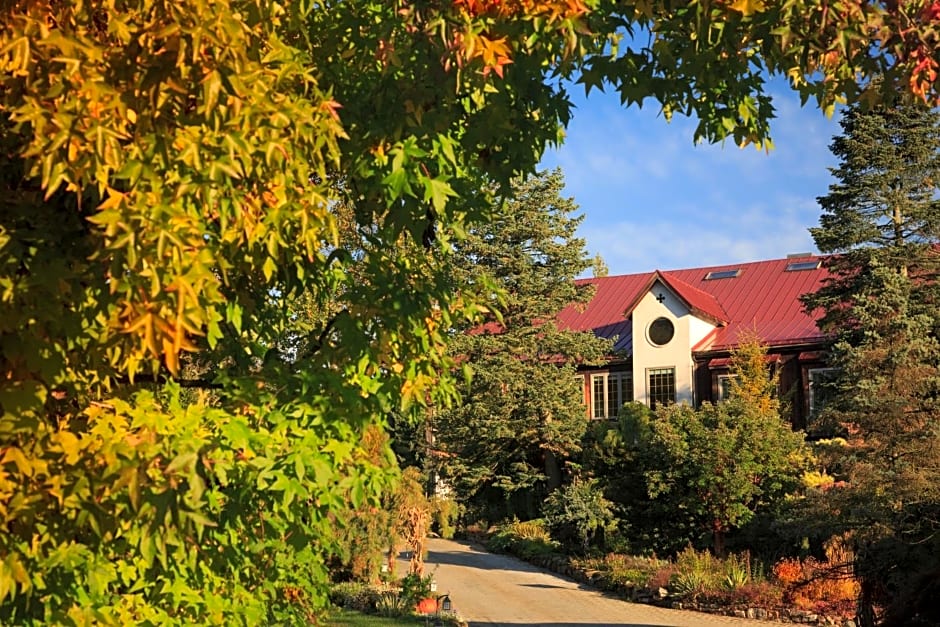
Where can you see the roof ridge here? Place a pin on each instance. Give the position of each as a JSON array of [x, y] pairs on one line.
[[739, 264], [719, 313], [670, 274]]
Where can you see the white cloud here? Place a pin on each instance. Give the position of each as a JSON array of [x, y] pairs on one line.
[[641, 246], [652, 199]]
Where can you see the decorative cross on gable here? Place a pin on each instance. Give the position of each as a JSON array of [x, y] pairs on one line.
[[660, 298]]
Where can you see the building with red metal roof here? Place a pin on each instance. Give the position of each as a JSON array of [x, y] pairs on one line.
[[673, 332]]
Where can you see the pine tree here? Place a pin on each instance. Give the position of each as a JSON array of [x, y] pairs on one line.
[[522, 416], [883, 209], [881, 221]]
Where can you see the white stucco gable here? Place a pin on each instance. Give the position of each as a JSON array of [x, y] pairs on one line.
[[653, 358]]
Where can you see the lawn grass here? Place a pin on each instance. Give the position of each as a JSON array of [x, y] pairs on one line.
[[340, 617]]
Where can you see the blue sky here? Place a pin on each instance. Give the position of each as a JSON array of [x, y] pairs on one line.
[[652, 199]]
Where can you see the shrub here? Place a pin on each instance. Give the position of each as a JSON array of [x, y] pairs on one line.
[[477, 531], [699, 574], [624, 570], [579, 514], [367, 531], [530, 530], [443, 516], [691, 584], [662, 576], [355, 596], [705, 566], [788, 571], [756, 594], [414, 587], [828, 587], [392, 604], [737, 571], [526, 539]]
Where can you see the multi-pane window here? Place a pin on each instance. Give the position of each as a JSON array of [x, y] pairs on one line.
[[725, 383], [662, 386], [819, 389], [598, 392], [609, 392], [724, 386]]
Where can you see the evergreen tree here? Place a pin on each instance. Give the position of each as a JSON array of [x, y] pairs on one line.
[[881, 219], [721, 464], [522, 416], [617, 453]]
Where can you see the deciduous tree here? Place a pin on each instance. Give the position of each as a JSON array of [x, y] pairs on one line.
[[169, 173], [724, 462]]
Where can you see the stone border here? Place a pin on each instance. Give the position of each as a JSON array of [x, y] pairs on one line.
[[561, 565]]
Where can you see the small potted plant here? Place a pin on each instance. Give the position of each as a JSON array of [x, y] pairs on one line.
[[418, 591], [427, 605]]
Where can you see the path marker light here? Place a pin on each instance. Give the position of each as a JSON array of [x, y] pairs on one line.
[[444, 607]]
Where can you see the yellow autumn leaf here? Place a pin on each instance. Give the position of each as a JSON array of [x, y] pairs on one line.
[[748, 7], [113, 199], [495, 52], [71, 446]]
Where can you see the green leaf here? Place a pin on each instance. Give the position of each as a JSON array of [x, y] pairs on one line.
[[398, 184], [20, 397], [211, 86], [437, 192], [182, 462]]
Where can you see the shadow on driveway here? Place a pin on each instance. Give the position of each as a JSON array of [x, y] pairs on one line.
[[621, 624], [492, 590]]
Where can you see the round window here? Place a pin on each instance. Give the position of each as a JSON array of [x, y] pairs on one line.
[[661, 331]]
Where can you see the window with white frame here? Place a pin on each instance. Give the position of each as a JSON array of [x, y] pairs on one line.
[[661, 386], [609, 392], [820, 391]]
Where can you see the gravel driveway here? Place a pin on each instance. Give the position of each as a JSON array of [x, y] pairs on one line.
[[488, 589]]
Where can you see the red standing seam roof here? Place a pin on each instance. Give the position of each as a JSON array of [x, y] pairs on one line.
[[763, 297], [701, 303]]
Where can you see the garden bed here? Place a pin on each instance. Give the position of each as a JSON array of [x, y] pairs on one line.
[[807, 592], [409, 600]]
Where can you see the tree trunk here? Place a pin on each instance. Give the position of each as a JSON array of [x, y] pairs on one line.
[[899, 239], [865, 617], [552, 471], [718, 539]]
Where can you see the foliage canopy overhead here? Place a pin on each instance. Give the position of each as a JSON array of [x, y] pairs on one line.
[[171, 182], [206, 142]]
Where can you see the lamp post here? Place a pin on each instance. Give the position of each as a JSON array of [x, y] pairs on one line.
[[443, 603], [444, 607]]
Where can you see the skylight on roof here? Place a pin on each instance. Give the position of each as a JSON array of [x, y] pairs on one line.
[[796, 266], [723, 274]]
